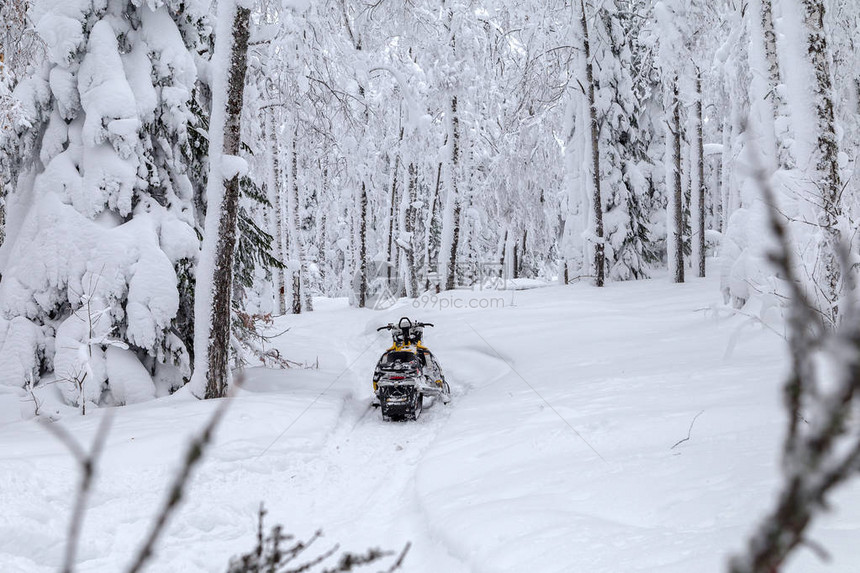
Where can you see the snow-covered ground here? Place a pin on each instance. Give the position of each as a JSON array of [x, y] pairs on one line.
[[556, 453]]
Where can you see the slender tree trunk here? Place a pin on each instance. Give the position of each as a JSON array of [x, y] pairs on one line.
[[218, 372], [276, 198], [515, 260], [2, 216], [725, 171], [676, 259], [827, 159], [523, 252], [295, 235], [504, 253], [782, 132], [450, 275], [700, 176], [323, 233], [597, 202], [411, 217], [362, 248], [393, 201], [432, 244]]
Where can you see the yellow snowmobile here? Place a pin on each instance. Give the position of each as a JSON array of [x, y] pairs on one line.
[[407, 373]]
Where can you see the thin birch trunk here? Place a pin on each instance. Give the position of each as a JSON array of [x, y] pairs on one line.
[[276, 198]]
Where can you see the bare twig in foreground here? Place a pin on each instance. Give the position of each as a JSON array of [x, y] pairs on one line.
[[193, 455], [825, 452], [87, 463]]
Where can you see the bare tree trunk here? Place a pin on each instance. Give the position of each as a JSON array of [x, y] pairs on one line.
[[432, 246], [676, 259], [515, 259], [700, 171], [277, 226], [596, 203], [393, 200], [781, 124], [523, 252], [725, 171], [301, 299], [218, 372], [450, 275], [827, 159], [2, 216], [504, 253], [411, 217], [362, 248], [323, 236]]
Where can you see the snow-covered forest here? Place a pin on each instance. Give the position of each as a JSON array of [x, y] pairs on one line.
[[187, 184]]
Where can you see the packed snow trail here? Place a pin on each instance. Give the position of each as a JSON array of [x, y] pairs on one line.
[[555, 454]]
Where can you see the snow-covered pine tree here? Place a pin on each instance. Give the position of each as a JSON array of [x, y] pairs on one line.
[[20, 50], [103, 215], [623, 143]]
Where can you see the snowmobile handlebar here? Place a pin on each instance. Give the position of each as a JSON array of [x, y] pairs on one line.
[[392, 326]]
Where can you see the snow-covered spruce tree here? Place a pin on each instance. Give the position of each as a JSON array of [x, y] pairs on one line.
[[20, 50], [102, 217], [214, 286], [629, 249]]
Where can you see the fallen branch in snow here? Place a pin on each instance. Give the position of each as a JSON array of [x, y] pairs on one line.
[[274, 552], [87, 463], [689, 431]]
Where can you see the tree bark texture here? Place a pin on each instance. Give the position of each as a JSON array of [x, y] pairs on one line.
[[411, 218], [827, 158], [700, 169], [217, 375], [596, 202], [785, 160], [278, 223], [362, 248], [451, 274], [296, 252], [391, 210], [677, 258]]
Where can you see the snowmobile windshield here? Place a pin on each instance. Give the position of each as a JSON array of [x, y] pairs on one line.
[[394, 357]]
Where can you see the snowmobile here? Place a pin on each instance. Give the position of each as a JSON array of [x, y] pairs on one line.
[[407, 373]]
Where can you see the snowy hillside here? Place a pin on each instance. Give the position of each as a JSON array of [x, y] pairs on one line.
[[556, 453]]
